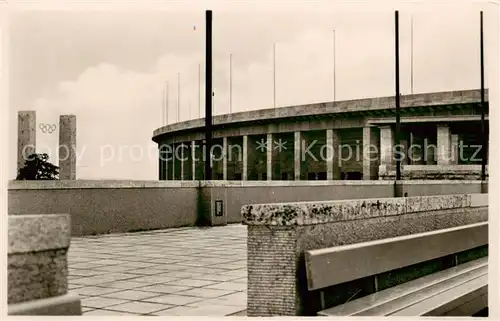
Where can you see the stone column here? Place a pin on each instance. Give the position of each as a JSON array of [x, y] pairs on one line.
[[386, 145], [332, 157], [371, 153], [244, 174], [443, 144], [67, 147], [182, 161], [193, 159], [269, 158], [296, 155], [26, 136], [455, 153], [173, 161], [161, 163], [224, 158]]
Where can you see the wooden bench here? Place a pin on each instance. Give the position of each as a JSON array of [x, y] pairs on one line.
[[459, 290]]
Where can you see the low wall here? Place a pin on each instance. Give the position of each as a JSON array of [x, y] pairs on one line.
[[99, 207], [236, 194], [278, 235], [38, 267]]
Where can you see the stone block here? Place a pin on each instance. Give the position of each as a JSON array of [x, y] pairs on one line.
[[37, 265]]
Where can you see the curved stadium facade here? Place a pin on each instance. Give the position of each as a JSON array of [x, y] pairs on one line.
[[440, 138]]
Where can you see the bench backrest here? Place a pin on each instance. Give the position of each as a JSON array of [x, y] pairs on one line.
[[335, 265]]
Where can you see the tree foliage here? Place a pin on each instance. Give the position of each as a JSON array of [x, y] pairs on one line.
[[37, 167]]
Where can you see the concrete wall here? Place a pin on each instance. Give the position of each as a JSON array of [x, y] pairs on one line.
[[237, 194], [98, 207]]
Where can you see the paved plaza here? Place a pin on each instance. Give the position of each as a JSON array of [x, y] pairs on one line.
[[179, 272]]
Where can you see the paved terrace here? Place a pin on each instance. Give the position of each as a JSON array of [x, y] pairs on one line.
[[177, 272]]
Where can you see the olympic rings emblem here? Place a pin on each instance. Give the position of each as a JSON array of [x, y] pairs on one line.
[[47, 128]]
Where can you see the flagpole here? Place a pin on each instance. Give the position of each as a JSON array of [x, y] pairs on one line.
[[230, 82], [166, 102], [199, 90], [397, 96], [484, 143], [163, 108], [334, 67], [178, 96], [274, 74], [411, 55]]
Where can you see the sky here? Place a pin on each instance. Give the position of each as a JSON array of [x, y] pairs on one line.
[[110, 65]]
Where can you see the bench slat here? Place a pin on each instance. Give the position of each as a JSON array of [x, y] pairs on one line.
[[422, 295], [358, 306], [447, 300], [335, 265]]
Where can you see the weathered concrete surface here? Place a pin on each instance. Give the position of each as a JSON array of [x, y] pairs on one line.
[[26, 136], [309, 213], [37, 264], [99, 207], [279, 234], [67, 147], [432, 172]]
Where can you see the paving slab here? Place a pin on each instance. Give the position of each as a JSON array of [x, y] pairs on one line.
[[177, 272]]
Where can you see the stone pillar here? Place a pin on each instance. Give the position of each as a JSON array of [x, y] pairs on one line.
[[224, 158], [162, 168], [371, 153], [269, 158], [181, 146], [244, 174], [193, 159], [67, 147], [332, 158], [443, 144], [386, 145], [455, 153], [173, 161], [26, 136], [37, 262], [296, 155]]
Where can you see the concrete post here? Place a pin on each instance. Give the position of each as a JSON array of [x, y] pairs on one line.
[[173, 161], [193, 159], [455, 154], [296, 155], [67, 147], [182, 160], [443, 144], [332, 157], [224, 158], [26, 136], [269, 158], [371, 154], [386, 145], [244, 174]]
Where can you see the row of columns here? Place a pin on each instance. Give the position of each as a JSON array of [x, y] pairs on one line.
[[378, 149], [333, 169], [446, 148]]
